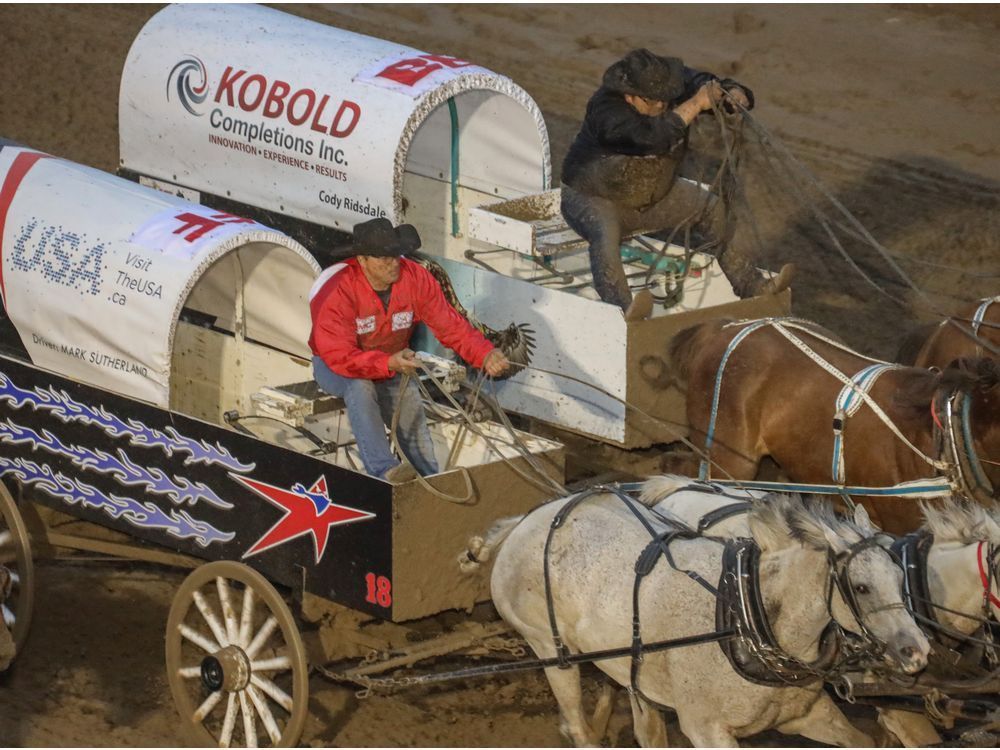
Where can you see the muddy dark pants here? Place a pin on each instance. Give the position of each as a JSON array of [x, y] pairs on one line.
[[603, 224]]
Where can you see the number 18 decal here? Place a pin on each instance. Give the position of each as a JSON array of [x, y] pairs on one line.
[[379, 590]]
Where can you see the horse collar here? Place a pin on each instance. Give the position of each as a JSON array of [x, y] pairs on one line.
[[913, 550], [756, 655], [966, 470]]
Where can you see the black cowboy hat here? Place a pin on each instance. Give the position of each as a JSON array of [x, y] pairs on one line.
[[378, 238], [647, 75]]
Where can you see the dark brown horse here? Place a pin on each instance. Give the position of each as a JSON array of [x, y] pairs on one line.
[[974, 331], [776, 400]]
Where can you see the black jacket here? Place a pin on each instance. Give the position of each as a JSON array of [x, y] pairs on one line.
[[628, 157]]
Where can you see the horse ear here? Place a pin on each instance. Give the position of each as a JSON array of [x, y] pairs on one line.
[[812, 532], [863, 521]]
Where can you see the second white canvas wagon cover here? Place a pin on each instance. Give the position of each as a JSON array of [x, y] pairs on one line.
[[95, 272]]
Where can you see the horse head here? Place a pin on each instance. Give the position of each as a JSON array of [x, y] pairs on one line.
[[971, 577], [963, 401], [864, 593]]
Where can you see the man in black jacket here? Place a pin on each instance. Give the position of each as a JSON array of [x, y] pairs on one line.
[[620, 175]]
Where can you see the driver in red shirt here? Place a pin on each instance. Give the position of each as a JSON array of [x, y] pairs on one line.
[[363, 313]]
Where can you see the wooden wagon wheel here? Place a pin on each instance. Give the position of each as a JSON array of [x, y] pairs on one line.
[[15, 557], [235, 661]]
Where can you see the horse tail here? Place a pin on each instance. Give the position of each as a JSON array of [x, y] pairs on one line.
[[657, 488], [685, 346], [481, 549]]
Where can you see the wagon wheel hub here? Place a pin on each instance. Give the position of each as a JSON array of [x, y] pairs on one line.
[[227, 669]]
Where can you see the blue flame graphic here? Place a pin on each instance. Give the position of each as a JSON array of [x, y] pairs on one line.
[[180, 490], [177, 523], [66, 409], [180, 79]]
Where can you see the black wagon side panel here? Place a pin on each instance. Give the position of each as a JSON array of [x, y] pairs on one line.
[[195, 487]]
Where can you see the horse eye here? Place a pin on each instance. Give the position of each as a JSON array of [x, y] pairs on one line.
[[861, 588]]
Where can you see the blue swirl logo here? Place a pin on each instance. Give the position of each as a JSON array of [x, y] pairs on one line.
[[190, 81]]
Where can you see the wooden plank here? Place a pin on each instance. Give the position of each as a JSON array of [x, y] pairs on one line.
[[127, 551]]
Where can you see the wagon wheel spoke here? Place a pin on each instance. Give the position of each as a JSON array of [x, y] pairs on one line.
[[246, 617], [262, 635], [228, 613], [198, 639], [244, 648], [213, 622], [276, 664], [278, 695], [229, 722], [249, 723], [207, 705], [260, 703]]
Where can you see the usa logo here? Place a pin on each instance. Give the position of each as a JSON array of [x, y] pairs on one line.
[[307, 511], [189, 81], [365, 325]]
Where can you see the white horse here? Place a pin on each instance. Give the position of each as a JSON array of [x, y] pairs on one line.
[[965, 538], [961, 575], [592, 558], [7, 649]]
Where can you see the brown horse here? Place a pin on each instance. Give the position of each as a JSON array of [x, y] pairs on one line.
[[774, 399], [974, 331]]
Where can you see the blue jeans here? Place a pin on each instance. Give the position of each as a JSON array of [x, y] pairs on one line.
[[370, 406]]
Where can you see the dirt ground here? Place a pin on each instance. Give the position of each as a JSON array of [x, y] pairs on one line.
[[893, 107]]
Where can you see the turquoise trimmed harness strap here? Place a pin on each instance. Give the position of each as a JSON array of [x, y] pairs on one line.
[[847, 404], [919, 488], [703, 469], [969, 448], [980, 316]]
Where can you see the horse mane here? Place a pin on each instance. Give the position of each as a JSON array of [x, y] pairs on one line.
[[914, 342], [954, 520], [804, 520], [967, 374]]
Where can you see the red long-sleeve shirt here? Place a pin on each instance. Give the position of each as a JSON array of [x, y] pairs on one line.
[[355, 334]]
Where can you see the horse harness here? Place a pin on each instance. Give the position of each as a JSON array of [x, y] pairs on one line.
[[979, 317], [957, 459], [913, 550], [954, 439], [753, 650]]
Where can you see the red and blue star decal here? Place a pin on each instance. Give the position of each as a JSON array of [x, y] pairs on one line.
[[307, 511]]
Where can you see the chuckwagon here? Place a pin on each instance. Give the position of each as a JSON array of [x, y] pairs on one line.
[[313, 129], [155, 381]]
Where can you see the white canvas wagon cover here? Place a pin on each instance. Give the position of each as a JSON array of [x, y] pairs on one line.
[[314, 122], [96, 271]]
